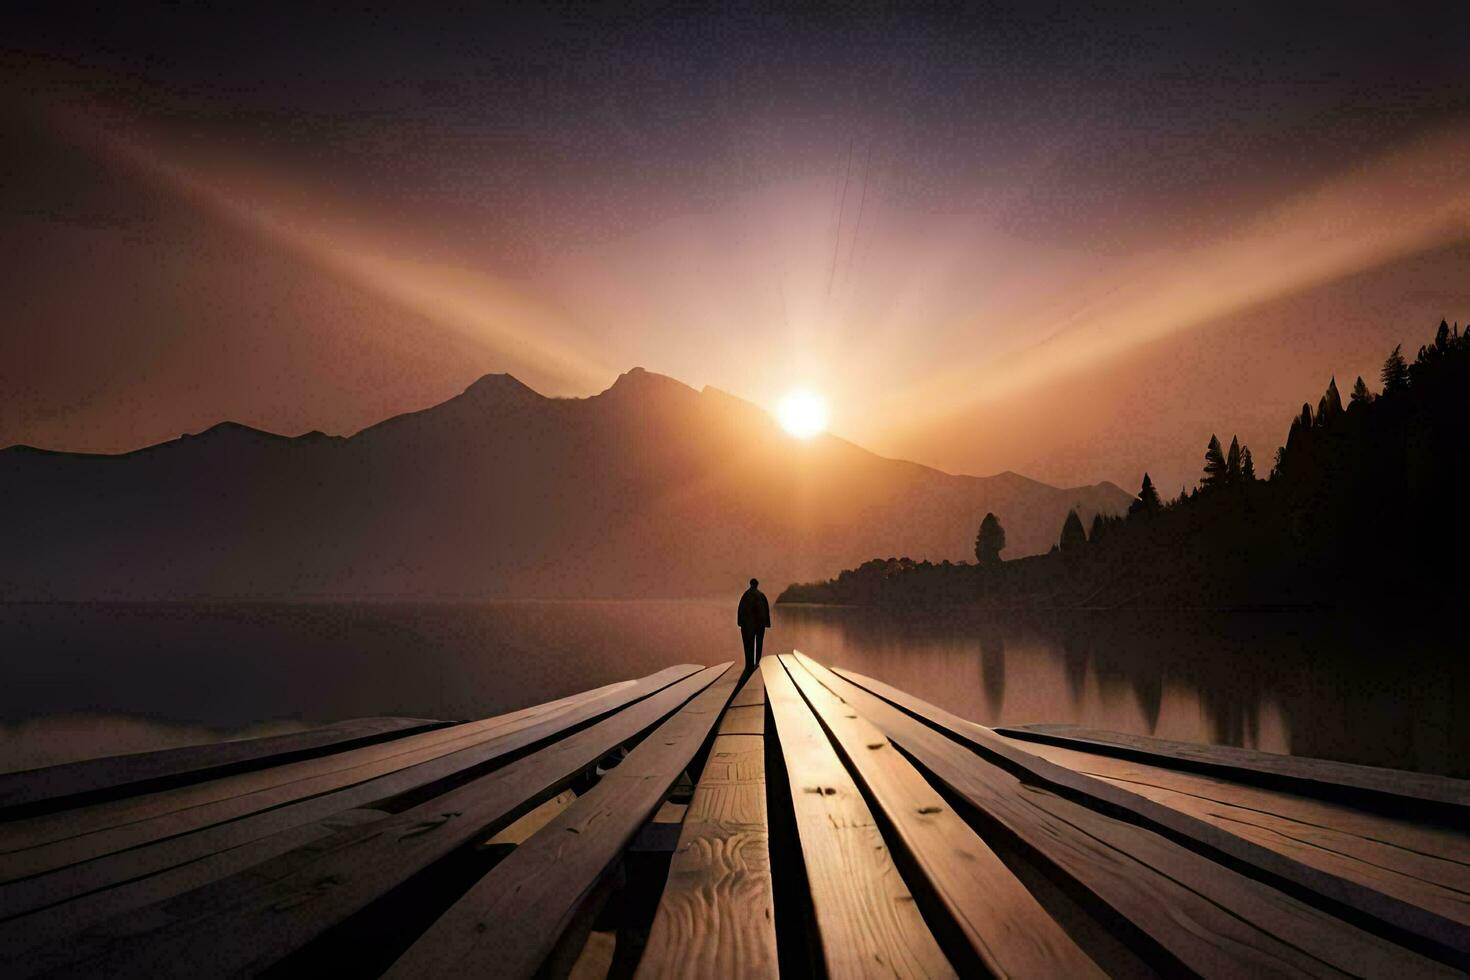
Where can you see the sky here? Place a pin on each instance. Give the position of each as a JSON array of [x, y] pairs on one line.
[[1067, 240]]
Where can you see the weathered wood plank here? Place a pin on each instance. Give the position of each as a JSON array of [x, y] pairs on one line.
[[1309, 830], [745, 719], [1318, 777], [867, 919], [1008, 930], [66, 883], [1411, 924], [1449, 843], [245, 923], [52, 924], [75, 783], [1188, 913], [79, 833], [542, 883], [716, 917]]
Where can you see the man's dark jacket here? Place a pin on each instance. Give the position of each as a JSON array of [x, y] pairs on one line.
[[755, 612]]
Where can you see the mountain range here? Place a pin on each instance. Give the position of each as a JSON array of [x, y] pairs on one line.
[[651, 488]]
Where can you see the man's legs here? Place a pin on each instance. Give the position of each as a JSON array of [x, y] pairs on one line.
[[748, 637], [760, 642]]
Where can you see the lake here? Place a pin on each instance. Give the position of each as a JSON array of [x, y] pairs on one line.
[[98, 679]]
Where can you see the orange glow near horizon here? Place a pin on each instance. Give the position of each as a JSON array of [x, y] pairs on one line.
[[907, 321], [802, 413]]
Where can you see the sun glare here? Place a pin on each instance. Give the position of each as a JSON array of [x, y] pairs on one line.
[[802, 413]]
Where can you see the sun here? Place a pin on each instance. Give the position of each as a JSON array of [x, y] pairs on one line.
[[802, 413]]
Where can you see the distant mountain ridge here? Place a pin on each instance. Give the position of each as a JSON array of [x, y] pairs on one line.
[[649, 488]]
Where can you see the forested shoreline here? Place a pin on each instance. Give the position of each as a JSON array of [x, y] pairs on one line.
[[1362, 504]]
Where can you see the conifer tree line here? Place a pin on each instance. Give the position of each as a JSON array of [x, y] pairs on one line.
[[1234, 468], [1359, 509]]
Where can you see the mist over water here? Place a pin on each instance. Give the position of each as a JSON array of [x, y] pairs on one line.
[[100, 679]]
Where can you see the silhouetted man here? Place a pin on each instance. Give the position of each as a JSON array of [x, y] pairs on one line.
[[754, 618]]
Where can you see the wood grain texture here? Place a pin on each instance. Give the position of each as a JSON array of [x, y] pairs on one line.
[[1376, 851], [66, 785], [1007, 928], [68, 882], [1281, 771], [541, 884], [1209, 919], [248, 921], [53, 924], [244, 793], [1448, 843], [868, 921], [716, 916]]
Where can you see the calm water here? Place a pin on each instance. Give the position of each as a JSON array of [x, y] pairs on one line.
[[89, 680]]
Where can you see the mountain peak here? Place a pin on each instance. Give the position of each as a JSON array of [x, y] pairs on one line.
[[499, 385], [233, 431], [642, 381]]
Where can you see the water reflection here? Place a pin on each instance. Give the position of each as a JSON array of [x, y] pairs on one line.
[[993, 667], [1361, 691], [180, 673]]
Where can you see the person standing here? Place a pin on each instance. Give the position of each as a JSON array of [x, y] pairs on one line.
[[754, 618]]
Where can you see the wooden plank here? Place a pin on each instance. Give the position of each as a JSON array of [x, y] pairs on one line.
[[596, 959], [1448, 843], [748, 719], [69, 918], [1006, 928], [541, 885], [1318, 777], [69, 882], [1158, 858], [115, 825], [245, 923], [521, 830], [138, 821], [55, 787], [867, 919], [1353, 844], [753, 691], [671, 812], [716, 916]]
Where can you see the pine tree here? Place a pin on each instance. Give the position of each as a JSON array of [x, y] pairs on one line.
[[1331, 405], [1395, 375], [1306, 419], [1232, 462], [1215, 469], [1247, 465], [1099, 525], [990, 541], [1074, 539], [1360, 395], [1147, 501], [1442, 337]]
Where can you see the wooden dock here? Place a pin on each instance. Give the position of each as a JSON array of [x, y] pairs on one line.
[[697, 823]]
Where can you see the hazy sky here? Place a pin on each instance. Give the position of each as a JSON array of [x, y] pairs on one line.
[[1063, 240]]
